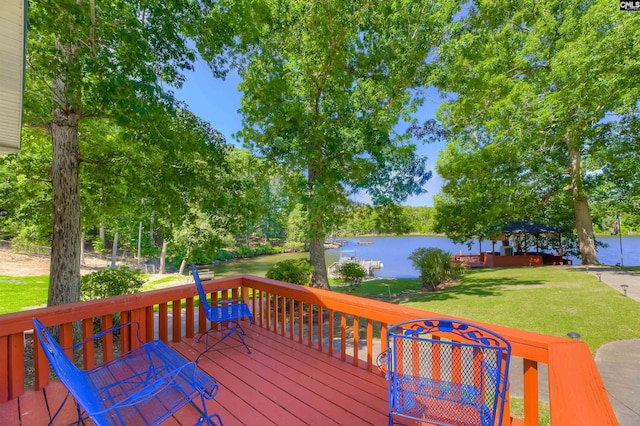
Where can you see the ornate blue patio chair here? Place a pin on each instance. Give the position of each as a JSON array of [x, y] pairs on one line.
[[226, 316], [144, 386], [446, 372]]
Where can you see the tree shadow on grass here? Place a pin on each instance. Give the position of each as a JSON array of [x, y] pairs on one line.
[[478, 287]]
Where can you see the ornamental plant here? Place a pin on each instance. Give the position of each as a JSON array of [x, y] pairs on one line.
[[435, 267]]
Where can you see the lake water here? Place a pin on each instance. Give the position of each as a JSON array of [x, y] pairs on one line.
[[394, 252]]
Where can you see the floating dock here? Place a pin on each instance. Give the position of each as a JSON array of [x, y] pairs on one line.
[[348, 256]]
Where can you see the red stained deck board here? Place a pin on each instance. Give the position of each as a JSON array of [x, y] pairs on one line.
[[237, 410], [55, 393], [327, 395], [331, 367], [283, 389], [245, 402], [29, 406], [9, 414]]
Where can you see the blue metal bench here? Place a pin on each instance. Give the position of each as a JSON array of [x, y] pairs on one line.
[[226, 316], [446, 372], [141, 387]]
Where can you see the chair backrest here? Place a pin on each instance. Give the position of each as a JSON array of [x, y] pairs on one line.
[[447, 372], [201, 293], [72, 377]]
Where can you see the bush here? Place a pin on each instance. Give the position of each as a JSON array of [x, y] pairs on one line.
[[296, 271], [110, 282], [222, 254], [435, 267], [244, 251], [352, 273], [294, 247]]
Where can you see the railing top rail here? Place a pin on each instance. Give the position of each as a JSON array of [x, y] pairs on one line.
[[18, 322], [525, 344]]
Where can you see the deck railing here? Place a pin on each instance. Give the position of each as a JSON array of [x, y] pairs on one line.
[[349, 328]]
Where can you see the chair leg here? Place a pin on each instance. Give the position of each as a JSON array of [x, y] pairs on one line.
[[237, 328], [241, 335], [206, 418]]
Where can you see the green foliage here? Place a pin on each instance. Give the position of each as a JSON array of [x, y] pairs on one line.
[[339, 80], [351, 273], [294, 247], [435, 267], [297, 224], [533, 82], [243, 251], [362, 219], [222, 254], [296, 271], [111, 282], [100, 82]]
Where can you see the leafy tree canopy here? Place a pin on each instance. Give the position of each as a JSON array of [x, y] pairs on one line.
[[324, 85]]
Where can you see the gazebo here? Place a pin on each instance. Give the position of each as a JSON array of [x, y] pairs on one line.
[[518, 253]]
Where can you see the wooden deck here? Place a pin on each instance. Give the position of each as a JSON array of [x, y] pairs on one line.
[[290, 378], [282, 382]]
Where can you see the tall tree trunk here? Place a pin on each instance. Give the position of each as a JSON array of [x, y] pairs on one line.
[[102, 239], [139, 242], [64, 279], [163, 258], [183, 266], [114, 250], [320, 278], [584, 224], [151, 220]]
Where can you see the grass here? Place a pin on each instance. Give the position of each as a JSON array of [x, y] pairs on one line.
[[257, 266], [17, 293], [546, 300], [165, 281]]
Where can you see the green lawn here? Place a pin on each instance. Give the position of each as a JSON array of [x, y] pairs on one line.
[[16, 293], [547, 300]]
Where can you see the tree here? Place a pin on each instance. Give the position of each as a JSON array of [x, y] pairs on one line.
[[296, 224], [324, 85], [614, 153], [351, 273], [26, 190], [541, 75], [87, 61], [490, 182]]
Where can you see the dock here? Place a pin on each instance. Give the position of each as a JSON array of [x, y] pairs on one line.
[[348, 256]]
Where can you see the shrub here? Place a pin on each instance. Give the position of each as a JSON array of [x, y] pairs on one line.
[[293, 247], [110, 282], [222, 254], [435, 267], [244, 251], [296, 271], [352, 273]]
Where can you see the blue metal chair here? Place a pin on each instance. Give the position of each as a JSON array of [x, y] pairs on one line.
[[144, 386], [226, 315], [446, 372]]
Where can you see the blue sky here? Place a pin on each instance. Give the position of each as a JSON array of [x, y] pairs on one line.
[[218, 101]]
